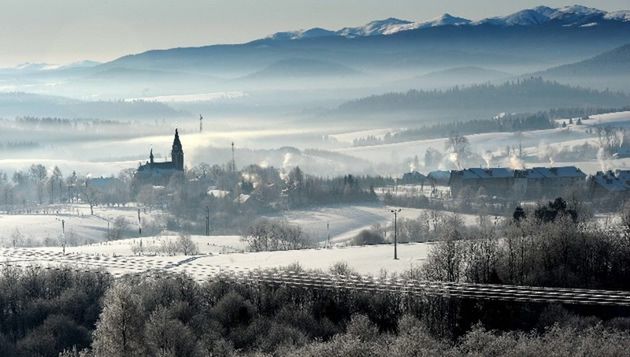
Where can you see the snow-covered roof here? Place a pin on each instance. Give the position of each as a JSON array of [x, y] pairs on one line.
[[497, 172], [610, 182], [564, 171], [242, 198], [568, 171], [413, 175], [534, 173], [475, 173], [623, 174], [468, 174], [544, 172], [218, 193], [528, 173], [501, 172], [439, 175]]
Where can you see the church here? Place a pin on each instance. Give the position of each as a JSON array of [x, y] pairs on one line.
[[160, 172]]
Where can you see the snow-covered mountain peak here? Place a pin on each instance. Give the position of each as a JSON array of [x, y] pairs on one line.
[[572, 15], [578, 10], [623, 15], [378, 27], [446, 20]]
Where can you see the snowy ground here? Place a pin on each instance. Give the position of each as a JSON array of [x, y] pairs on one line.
[[369, 260], [345, 222], [342, 221], [365, 260], [124, 247], [43, 225]]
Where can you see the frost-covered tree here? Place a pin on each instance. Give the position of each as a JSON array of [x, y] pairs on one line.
[[119, 329]]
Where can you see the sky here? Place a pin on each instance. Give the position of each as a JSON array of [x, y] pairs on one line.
[[65, 31]]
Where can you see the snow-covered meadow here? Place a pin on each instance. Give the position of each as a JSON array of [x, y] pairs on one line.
[[368, 260]]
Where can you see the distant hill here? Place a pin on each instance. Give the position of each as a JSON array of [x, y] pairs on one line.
[[456, 76], [610, 70], [517, 96], [302, 68], [28, 104], [467, 74], [611, 63]]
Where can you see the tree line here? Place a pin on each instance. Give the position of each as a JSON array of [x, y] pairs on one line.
[[527, 94]]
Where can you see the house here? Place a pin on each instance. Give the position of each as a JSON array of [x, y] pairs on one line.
[[508, 183], [439, 177], [491, 181], [607, 184], [413, 177]]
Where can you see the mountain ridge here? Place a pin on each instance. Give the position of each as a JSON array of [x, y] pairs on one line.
[[573, 15]]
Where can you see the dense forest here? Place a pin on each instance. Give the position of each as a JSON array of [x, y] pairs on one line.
[[524, 95]]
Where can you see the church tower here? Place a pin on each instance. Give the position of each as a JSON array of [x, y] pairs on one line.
[[177, 153]]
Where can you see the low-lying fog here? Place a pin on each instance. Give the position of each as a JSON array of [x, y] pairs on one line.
[[105, 148]]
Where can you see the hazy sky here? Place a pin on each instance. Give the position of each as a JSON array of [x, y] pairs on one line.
[[63, 31]]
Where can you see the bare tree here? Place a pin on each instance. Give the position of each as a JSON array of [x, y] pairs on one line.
[[458, 148], [92, 197], [118, 229], [186, 245]]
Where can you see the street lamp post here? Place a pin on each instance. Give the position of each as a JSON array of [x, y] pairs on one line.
[[63, 235], [395, 212], [327, 234], [139, 224]]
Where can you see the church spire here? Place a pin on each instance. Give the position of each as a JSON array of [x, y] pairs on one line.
[[177, 153]]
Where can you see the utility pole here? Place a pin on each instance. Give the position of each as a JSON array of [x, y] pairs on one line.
[[233, 159], [208, 220], [63, 235], [200, 123], [395, 212], [328, 234]]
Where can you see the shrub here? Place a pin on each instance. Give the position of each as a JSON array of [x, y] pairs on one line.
[[368, 237]]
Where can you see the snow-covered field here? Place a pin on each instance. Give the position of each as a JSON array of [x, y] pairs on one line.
[[370, 260], [124, 247], [218, 253], [43, 225], [343, 222], [365, 260], [347, 221]]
